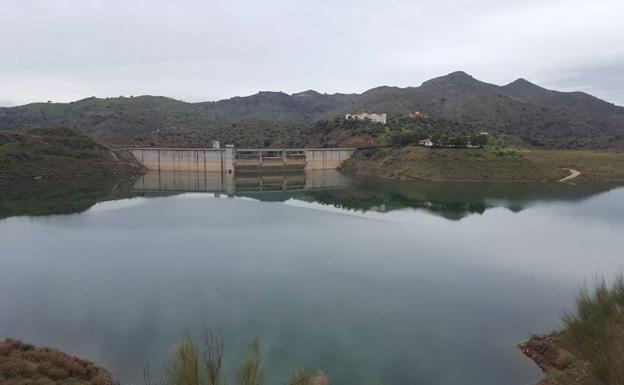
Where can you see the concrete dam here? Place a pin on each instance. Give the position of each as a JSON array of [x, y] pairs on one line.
[[229, 159]]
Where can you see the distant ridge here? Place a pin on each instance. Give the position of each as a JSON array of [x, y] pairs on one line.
[[538, 116]]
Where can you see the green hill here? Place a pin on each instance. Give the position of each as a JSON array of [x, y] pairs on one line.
[[536, 116], [58, 152]]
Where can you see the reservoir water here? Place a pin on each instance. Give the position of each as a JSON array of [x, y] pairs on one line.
[[369, 281]]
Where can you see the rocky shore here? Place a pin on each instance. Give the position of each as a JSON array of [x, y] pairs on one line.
[[22, 363]]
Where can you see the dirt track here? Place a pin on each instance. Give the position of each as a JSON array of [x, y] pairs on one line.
[[573, 174]]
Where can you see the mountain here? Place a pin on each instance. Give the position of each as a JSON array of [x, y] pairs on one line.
[[535, 115], [538, 116]]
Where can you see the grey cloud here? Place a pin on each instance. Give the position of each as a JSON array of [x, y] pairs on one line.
[[204, 50], [603, 79]]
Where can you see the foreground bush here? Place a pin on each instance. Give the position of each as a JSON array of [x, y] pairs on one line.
[[195, 365], [596, 329], [590, 349], [22, 363]]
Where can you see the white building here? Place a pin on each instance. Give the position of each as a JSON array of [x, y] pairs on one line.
[[376, 118], [426, 142]]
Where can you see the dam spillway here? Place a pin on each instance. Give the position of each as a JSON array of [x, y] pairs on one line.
[[230, 159]]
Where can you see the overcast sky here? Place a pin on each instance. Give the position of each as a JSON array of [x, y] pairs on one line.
[[212, 49]]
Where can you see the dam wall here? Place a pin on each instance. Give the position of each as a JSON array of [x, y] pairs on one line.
[[185, 159], [229, 159], [326, 158]]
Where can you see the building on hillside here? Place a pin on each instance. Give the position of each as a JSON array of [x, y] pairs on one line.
[[418, 114], [426, 142], [375, 118]]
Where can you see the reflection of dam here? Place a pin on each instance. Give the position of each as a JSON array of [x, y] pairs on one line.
[[217, 182]]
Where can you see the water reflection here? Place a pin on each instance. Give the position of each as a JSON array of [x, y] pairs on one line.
[[426, 301], [450, 200], [60, 196], [241, 183]]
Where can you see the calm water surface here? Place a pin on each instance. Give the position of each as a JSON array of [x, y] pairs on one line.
[[405, 283]]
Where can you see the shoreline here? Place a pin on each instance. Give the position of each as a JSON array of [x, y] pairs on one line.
[[24, 363], [557, 360], [415, 163]]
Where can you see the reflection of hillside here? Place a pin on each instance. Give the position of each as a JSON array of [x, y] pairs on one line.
[[450, 200], [59, 196], [388, 201]]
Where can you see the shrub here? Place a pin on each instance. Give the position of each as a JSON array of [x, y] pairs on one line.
[[185, 367], [194, 366], [308, 377], [406, 137], [596, 329], [566, 359], [555, 377], [250, 369], [22, 363]]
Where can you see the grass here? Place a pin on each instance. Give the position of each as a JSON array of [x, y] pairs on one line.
[[59, 152], [596, 329], [590, 349], [25, 364], [193, 364], [497, 164], [419, 163], [308, 377], [595, 166]]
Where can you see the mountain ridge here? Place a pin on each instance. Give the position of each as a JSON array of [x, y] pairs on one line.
[[538, 116]]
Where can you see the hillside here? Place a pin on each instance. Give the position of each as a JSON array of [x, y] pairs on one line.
[[535, 116], [491, 165], [538, 116], [58, 152]]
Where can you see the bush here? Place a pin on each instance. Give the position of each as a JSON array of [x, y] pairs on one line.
[[23, 363], [566, 359], [250, 370], [406, 138], [596, 329], [193, 365], [308, 377]]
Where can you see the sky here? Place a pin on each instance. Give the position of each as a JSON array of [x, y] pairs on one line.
[[66, 50]]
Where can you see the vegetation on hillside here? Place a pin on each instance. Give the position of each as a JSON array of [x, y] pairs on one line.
[[488, 164], [25, 364], [404, 131], [539, 117], [399, 131], [590, 349], [52, 152], [420, 163], [521, 111]]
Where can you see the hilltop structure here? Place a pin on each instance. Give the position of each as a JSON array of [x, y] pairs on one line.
[[418, 114], [375, 118]]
